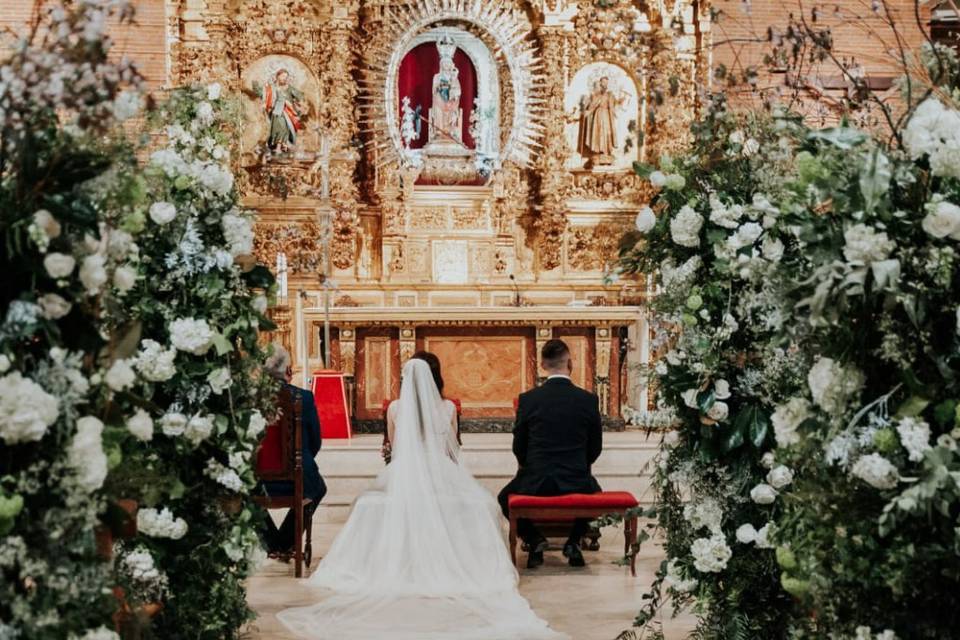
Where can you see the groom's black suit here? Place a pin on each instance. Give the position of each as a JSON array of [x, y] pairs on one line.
[[556, 438]]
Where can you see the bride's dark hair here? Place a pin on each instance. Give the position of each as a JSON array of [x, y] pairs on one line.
[[434, 363]]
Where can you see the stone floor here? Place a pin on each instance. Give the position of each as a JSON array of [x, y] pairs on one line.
[[594, 603]]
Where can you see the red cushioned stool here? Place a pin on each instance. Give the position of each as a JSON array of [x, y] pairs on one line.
[[572, 506]]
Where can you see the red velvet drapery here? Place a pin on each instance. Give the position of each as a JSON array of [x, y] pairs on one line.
[[415, 80]]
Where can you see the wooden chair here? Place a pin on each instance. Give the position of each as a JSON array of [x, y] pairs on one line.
[[280, 458]]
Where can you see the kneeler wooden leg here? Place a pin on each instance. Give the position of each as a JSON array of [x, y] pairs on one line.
[[513, 539], [630, 533], [298, 541]]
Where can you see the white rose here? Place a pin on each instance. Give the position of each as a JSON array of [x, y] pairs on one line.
[[751, 147], [59, 265], [763, 537], [120, 375], [219, 380], [658, 179], [942, 219], [155, 363], [45, 221], [141, 426], [173, 424], [213, 91], [746, 534], [736, 137], [93, 273], [779, 477], [685, 227], [767, 460], [690, 398], [256, 425], [26, 409], [198, 428], [787, 418], [645, 220], [721, 389], [53, 306], [833, 385], [772, 249], [124, 278], [865, 244], [162, 212], [763, 494], [4, 363], [719, 411]]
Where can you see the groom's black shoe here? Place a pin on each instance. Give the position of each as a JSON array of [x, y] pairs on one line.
[[571, 551], [535, 558]]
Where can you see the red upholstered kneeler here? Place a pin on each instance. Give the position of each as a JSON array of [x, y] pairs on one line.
[[330, 395], [572, 506]]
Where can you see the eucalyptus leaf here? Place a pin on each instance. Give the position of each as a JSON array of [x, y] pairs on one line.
[[875, 176]]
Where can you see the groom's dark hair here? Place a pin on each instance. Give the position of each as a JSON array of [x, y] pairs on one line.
[[553, 353]]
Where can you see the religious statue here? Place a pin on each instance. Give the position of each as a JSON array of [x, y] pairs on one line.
[[285, 110], [596, 138], [446, 116]]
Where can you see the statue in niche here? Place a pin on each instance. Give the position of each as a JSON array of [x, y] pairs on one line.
[[596, 138], [446, 116], [285, 110]]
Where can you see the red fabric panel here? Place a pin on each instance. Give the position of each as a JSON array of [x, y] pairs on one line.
[[330, 396], [603, 500], [415, 80], [270, 455]]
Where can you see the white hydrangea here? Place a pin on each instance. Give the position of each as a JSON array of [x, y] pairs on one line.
[[198, 428], [780, 477], [685, 227], [675, 580], [59, 265], [191, 335], [140, 565], [930, 126], [213, 91], [833, 385], [126, 105], [160, 524], [658, 179], [141, 425], [915, 437], [205, 113], [102, 633], [120, 375], [26, 409], [724, 216], [173, 424], [155, 363], [239, 234], [710, 555], [219, 380], [223, 476], [786, 420], [704, 514], [93, 273], [839, 449], [866, 245], [216, 178], [86, 456], [745, 236], [876, 471], [763, 494]]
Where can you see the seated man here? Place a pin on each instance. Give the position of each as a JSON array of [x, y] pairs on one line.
[[557, 437], [280, 541]]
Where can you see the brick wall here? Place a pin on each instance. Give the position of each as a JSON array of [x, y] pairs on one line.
[[144, 42]]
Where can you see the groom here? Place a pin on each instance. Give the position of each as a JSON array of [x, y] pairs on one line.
[[556, 438]]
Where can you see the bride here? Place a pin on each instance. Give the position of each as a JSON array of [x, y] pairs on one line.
[[422, 555]]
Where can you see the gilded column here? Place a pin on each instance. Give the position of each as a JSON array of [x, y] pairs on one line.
[[408, 343], [348, 351], [603, 346], [338, 119], [551, 224]]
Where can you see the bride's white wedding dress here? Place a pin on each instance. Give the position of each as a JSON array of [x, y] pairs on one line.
[[422, 555]]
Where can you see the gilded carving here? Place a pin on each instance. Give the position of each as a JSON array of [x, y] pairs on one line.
[[302, 242], [348, 351], [593, 248]]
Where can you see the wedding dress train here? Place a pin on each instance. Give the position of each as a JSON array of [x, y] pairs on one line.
[[422, 555]]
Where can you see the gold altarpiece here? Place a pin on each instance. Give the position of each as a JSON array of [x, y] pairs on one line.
[[475, 229]]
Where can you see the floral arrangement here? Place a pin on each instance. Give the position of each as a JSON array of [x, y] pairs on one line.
[[710, 236], [65, 178], [193, 379], [810, 297]]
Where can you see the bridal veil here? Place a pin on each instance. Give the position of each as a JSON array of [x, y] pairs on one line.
[[422, 555]]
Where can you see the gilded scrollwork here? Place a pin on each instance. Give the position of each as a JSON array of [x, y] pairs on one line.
[[593, 248], [301, 242]]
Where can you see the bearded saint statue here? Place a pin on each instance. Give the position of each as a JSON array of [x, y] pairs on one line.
[[596, 139]]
